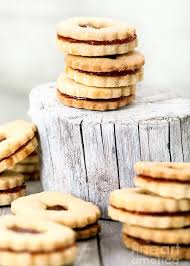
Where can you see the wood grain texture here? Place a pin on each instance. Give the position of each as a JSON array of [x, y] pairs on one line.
[[92, 153]]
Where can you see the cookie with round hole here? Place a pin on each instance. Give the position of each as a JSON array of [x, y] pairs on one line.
[[80, 215], [95, 36], [35, 242]]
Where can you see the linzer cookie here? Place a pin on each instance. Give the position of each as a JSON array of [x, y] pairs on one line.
[[167, 236], [171, 244], [11, 187], [165, 170], [149, 248], [95, 105], [17, 141], [62, 208], [34, 242], [165, 179], [115, 71], [138, 207], [95, 36], [69, 87]]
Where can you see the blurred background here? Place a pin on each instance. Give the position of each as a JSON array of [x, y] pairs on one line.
[[28, 54]]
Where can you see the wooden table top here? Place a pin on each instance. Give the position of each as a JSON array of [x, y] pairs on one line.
[[106, 249]]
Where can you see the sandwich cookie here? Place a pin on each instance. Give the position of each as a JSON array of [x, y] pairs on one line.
[[165, 170], [66, 86], [95, 36], [11, 187], [34, 242], [165, 179], [95, 105], [152, 249], [109, 71], [17, 141], [138, 207], [62, 208], [170, 244], [167, 236]]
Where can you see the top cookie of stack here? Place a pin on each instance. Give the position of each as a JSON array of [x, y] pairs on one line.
[[101, 67]]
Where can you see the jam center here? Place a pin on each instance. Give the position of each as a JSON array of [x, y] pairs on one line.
[[57, 208], [88, 25], [110, 56], [21, 230]]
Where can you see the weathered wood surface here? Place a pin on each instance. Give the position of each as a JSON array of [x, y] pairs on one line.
[[92, 153], [106, 249]]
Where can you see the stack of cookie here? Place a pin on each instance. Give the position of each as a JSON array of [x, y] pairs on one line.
[[156, 215], [29, 167], [17, 141], [102, 68]]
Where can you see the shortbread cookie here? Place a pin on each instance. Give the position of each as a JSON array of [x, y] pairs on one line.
[[165, 188], [61, 208], [167, 236], [168, 170], [34, 242], [11, 187], [175, 252], [19, 155], [140, 200], [105, 79], [95, 105], [95, 36], [25, 168], [72, 88], [117, 63]]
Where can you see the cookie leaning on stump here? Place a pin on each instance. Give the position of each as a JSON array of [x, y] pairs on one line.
[[153, 224], [17, 141]]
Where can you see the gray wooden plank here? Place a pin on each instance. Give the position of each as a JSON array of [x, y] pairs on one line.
[[88, 253]]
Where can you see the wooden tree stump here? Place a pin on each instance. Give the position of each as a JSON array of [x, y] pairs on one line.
[[92, 153]]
